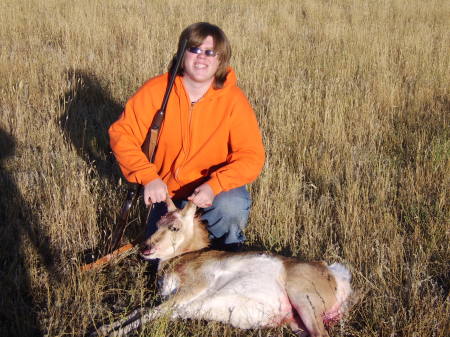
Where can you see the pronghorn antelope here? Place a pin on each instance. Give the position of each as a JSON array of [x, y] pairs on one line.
[[245, 289]]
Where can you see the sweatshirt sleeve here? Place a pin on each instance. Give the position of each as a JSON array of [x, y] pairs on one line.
[[127, 135], [246, 157]]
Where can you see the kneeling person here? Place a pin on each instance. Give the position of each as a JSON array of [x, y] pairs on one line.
[[209, 145]]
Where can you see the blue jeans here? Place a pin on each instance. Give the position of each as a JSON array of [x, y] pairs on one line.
[[225, 219]]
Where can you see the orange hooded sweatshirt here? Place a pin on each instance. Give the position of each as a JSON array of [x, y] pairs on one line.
[[216, 140]]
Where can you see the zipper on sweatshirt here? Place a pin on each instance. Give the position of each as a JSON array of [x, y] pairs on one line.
[[188, 147]]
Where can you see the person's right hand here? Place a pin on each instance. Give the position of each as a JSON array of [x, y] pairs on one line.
[[155, 191]]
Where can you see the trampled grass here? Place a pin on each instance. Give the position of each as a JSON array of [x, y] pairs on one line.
[[353, 99]]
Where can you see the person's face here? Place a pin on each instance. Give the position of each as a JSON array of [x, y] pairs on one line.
[[201, 68]]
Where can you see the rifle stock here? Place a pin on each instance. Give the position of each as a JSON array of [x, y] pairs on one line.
[[150, 143], [108, 257]]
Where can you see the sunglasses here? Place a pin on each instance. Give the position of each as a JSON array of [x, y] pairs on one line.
[[198, 51]]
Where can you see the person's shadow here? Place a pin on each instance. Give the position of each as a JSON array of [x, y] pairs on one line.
[[19, 227], [89, 110]]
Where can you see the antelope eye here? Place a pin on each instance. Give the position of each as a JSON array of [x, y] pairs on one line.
[[173, 229]]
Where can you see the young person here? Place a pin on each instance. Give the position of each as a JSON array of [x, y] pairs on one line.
[[209, 144]]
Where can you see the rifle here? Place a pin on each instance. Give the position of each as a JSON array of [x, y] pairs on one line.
[[148, 147]]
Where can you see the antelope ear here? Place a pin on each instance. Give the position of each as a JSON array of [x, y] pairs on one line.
[[170, 205], [189, 209]]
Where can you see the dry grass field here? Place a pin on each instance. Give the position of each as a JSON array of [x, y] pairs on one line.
[[353, 98]]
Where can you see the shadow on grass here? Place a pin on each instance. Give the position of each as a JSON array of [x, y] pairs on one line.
[[19, 229], [89, 110]]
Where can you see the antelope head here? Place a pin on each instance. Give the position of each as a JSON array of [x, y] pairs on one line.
[[178, 232]]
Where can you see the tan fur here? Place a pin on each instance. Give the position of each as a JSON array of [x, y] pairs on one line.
[[191, 279], [312, 290]]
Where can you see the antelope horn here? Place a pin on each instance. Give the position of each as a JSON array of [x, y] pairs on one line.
[[189, 209], [170, 205]]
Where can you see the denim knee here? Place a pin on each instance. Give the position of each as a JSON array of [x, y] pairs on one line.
[[228, 215]]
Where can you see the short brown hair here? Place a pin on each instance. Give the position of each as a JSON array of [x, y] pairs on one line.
[[195, 35]]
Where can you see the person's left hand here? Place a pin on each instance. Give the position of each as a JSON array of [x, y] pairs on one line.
[[203, 196]]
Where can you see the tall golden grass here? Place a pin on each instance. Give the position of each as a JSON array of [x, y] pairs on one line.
[[353, 100]]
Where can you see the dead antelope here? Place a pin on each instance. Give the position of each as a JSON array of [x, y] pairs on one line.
[[247, 289]]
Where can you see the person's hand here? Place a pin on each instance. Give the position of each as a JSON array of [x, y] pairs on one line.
[[203, 196], [155, 191]]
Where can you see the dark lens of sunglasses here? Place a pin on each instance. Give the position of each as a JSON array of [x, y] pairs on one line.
[[210, 52], [196, 50]]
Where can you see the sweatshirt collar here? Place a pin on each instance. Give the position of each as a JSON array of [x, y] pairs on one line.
[[230, 82]]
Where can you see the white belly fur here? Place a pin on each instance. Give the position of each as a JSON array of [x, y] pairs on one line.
[[246, 291]]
